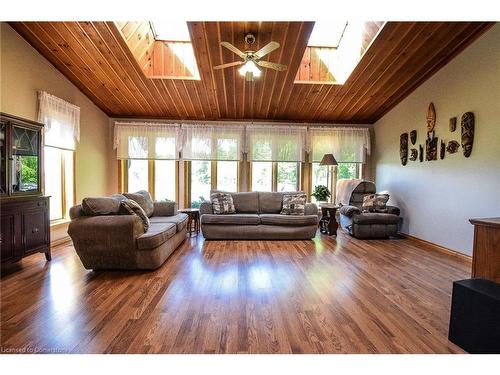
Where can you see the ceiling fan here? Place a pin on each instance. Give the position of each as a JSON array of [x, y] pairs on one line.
[[251, 60]]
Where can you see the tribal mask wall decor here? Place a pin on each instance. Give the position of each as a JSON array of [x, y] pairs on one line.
[[431, 118], [467, 133], [413, 137], [403, 148], [452, 147], [453, 124], [431, 147], [413, 154], [420, 153], [442, 150]]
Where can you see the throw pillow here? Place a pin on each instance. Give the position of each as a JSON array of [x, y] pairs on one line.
[[144, 199], [294, 204], [100, 206], [375, 203], [222, 203], [133, 208]]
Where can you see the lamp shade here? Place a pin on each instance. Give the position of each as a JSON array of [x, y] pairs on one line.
[[328, 159]]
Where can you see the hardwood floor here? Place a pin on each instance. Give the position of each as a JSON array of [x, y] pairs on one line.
[[321, 296]]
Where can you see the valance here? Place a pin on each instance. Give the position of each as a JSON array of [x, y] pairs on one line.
[[275, 143], [61, 119], [212, 142], [348, 145], [143, 140]]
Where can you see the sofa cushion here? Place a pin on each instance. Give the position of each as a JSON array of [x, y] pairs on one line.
[[375, 203], [100, 206], [294, 204], [222, 203], [157, 234], [133, 208], [270, 202], [144, 199], [375, 218], [180, 220], [235, 219], [164, 208], [288, 220], [244, 202]]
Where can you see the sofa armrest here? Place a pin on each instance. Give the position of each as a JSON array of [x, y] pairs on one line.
[[206, 208], [349, 211], [311, 209], [164, 208], [393, 210], [105, 233]]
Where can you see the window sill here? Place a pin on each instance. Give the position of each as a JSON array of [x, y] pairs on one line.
[[58, 223]]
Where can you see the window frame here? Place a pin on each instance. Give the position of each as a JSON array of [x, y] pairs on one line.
[[64, 193]]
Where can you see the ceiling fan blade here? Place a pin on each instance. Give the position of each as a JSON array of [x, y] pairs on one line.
[[233, 49], [228, 65], [249, 76], [268, 48], [271, 65]]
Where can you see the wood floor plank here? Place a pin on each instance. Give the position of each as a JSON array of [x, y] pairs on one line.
[[328, 295]]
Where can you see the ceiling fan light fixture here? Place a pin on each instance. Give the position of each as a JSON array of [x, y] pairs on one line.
[[250, 66]]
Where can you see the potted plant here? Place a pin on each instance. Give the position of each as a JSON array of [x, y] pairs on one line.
[[321, 193]]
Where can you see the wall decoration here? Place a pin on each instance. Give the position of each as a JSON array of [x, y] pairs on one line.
[[431, 118], [431, 147], [442, 150], [452, 147], [413, 154], [467, 133], [403, 148], [453, 124], [420, 153], [413, 137]]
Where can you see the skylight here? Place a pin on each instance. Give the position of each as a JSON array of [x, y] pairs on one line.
[[171, 30], [327, 33]]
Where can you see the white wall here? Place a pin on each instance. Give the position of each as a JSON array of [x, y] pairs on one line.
[[437, 198]]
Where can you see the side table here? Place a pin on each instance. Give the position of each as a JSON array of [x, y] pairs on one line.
[[193, 225], [328, 222]]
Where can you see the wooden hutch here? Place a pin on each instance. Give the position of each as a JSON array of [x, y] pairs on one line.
[[24, 211]]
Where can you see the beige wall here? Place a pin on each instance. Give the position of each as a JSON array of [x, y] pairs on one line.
[[23, 72], [437, 198]]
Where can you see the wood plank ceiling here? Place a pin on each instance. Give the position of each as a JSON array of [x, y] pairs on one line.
[[96, 58]]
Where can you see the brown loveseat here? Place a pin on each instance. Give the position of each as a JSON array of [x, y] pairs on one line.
[[105, 238], [258, 217]]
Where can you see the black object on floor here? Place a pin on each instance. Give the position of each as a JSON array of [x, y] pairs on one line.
[[475, 316]]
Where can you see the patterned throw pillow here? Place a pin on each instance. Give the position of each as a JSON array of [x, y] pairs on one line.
[[222, 203], [375, 203], [133, 208], [294, 204]]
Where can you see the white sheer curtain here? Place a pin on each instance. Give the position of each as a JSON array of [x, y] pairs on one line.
[[146, 140], [275, 143], [61, 119], [348, 145], [212, 142]]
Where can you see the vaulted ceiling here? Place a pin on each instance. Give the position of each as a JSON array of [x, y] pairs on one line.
[[96, 58]]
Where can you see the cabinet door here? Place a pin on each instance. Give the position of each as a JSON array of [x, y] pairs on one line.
[[35, 235], [7, 238]]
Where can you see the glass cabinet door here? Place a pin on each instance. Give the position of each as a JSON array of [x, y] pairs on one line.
[[25, 163], [3, 159]]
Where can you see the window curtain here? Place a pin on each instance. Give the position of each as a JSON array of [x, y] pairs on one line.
[[142, 140], [61, 119], [212, 142], [348, 145], [275, 143]]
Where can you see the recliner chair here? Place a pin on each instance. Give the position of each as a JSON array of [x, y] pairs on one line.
[[350, 194]]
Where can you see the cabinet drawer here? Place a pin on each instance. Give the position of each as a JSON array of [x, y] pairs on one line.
[[35, 233], [7, 238]]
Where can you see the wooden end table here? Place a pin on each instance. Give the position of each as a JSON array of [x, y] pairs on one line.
[[193, 225], [328, 222]]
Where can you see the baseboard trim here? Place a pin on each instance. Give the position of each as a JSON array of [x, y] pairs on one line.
[[60, 241], [466, 259]]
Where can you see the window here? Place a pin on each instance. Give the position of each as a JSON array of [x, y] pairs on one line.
[[205, 176], [59, 181], [321, 175], [275, 176], [137, 175], [159, 177], [165, 180]]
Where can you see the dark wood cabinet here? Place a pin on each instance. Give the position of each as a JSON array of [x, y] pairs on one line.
[[24, 212], [486, 252]]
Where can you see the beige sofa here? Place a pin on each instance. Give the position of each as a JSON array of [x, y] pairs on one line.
[[108, 239], [258, 217]]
